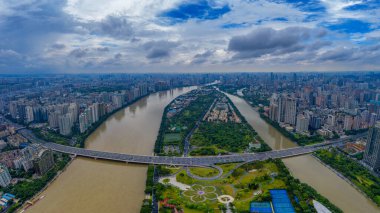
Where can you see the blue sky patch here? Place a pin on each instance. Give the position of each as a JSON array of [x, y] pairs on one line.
[[201, 10], [351, 26], [304, 5], [280, 19], [366, 5], [235, 25]]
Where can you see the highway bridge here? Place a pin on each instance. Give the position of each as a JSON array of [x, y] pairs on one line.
[[195, 161]]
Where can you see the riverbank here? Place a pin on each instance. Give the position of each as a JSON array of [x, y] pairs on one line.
[[352, 172], [306, 168], [91, 182], [36, 197], [240, 194]]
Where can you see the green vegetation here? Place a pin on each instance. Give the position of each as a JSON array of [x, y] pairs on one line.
[[213, 138], [355, 132], [301, 140], [149, 179], [204, 171], [352, 170], [173, 130], [256, 98], [250, 182], [51, 136], [209, 150], [149, 187], [231, 137], [172, 138]]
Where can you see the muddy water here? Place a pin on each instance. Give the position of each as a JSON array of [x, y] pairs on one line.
[[306, 168], [89, 186]]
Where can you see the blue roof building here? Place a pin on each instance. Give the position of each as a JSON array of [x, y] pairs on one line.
[[281, 202], [260, 207]]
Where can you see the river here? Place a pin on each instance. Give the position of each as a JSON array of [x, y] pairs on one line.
[[103, 186], [307, 168], [89, 186]]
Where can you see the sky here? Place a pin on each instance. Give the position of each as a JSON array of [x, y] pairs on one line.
[[102, 36]]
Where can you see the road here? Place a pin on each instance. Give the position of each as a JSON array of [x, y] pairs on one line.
[[195, 161]]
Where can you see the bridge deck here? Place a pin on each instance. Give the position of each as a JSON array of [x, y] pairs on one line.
[[186, 161]]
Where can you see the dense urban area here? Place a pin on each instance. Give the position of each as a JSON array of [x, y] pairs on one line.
[[306, 108]]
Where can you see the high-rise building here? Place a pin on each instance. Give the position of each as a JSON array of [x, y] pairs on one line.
[[95, 112], [65, 124], [83, 124], [331, 120], [372, 150], [281, 109], [44, 161], [315, 122], [302, 123], [117, 100], [348, 121], [5, 177], [372, 119], [273, 110], [29, 114], [74, 111], [290, 111], [13, 109], [356, 122], [53, 119]]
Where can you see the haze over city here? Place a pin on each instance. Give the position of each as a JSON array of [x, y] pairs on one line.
[[99, 36]]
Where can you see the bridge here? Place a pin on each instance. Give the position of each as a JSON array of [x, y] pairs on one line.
[[196, 161]]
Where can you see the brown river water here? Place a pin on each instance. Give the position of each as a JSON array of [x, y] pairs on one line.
[[102, 186]]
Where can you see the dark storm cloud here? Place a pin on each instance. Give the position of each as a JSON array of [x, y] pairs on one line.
[[114, 26], [201, 58], [265, 41], [159, 49], [36, 20], [118, 56], [78, 53]]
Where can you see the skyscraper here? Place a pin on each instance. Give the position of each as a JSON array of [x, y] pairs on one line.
[[44, 161], [290, 111], [65, 124], [372, 150], [302, 123]]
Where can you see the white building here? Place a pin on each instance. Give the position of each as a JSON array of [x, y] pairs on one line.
[[29, 114], [302, 123], [65, 124]]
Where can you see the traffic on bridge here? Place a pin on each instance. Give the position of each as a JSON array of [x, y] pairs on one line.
[[193, 161]]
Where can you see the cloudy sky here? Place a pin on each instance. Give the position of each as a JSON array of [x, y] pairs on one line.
[[75, 36]]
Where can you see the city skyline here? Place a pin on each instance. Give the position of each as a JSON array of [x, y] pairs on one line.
[[188, 36]]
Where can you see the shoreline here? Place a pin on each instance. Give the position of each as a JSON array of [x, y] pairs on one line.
[[313, 155], [342, 177], [33, 199], [82, 144]]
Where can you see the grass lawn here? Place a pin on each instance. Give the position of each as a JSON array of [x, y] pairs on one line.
[[204, 171], [172, 137], [236, 184]]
